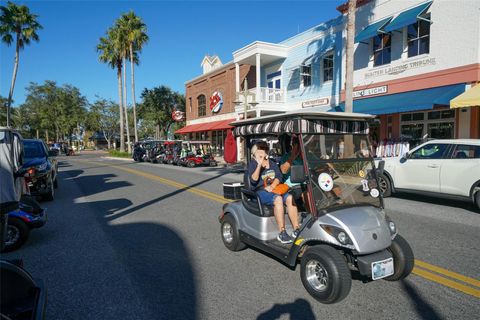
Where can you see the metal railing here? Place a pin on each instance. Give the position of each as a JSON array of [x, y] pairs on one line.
[[269, 95]]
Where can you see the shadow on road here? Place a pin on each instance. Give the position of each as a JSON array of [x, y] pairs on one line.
[[422, 307], [153, 255], [300, 309], [438, 201]]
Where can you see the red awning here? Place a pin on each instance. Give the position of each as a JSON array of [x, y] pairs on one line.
[[207, 126]]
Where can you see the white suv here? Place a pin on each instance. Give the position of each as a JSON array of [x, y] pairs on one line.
[[443, 168]]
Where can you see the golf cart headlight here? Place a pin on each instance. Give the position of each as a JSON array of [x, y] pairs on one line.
[[342, 237], [391, 225], [339, 234]]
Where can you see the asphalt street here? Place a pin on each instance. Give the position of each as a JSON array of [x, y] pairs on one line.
[[131, 240]]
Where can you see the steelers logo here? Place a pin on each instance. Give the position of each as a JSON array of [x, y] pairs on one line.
[[325, 181]]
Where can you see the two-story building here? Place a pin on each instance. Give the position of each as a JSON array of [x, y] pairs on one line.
[[411, 59]]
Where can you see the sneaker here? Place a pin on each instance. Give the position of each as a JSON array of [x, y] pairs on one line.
[[295, 233], [283, 237]]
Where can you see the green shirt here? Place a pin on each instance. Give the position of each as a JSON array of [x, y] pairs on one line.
[[286, 176]]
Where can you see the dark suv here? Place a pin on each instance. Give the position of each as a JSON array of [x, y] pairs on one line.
[[41, 167]]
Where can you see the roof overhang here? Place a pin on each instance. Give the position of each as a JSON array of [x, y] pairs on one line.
[[269, 53]]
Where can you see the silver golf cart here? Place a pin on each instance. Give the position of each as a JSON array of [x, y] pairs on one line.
[[345, 231]]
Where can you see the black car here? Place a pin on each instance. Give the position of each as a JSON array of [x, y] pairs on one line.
[[41, 167]]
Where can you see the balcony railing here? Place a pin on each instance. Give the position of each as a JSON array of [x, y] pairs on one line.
[[269, 95]]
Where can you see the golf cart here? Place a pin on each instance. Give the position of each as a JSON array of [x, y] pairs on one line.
[[198, 154], [21, 296], [344, 230]]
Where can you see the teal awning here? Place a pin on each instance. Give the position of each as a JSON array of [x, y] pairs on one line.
[[407, 17], [372, 30], [424, 99]]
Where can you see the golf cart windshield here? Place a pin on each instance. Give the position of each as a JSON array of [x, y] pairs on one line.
[[340, 170]]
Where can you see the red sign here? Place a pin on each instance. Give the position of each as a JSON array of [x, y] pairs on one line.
[[178, 115]]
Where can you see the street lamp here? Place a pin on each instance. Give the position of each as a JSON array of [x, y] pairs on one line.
[[245, 94]]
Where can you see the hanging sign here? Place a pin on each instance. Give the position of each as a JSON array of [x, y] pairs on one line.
[[315, 102], [178, 115], [216, 102]]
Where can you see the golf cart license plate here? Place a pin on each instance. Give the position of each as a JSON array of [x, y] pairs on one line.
[[382, 269]]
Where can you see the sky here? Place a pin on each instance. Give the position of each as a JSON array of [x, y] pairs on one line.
[[181, 33]]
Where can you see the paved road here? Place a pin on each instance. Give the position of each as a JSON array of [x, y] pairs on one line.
[[131, 241]]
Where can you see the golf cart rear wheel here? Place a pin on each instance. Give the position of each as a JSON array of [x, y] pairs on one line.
[[477, 199], [17, 234], [403, 259], [230, 235], [213, 163], [51, 192], [385, 185], [191, 164], [325, 274]]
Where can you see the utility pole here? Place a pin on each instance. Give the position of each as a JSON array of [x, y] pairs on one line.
[[352, 5]]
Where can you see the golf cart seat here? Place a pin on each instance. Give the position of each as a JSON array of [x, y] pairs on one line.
[[252, 202]]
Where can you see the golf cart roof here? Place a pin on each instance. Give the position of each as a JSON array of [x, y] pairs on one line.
[[305, 121]]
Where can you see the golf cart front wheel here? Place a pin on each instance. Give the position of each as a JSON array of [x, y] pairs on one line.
[[17, 234], [403, 259], [191, 164], [385, 185], [325, 274], [230, 235]]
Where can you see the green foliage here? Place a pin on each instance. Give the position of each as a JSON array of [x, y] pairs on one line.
[[119, 154], [158, 104], [59, 110], [18, 24], [103, 117]]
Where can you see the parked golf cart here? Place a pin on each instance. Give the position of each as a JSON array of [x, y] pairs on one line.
[[344, 229], [21, 296], [199, 154]]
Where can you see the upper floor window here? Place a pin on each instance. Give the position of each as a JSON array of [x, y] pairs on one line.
[[328, 67], [418, 37], [190, 103], [202, 105], [382, 49], [306, 75]]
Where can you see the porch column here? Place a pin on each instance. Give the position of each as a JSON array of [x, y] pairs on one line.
[[257, 79], [237, 77]]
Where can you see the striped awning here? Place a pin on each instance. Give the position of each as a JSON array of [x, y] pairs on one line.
[[309, 126]]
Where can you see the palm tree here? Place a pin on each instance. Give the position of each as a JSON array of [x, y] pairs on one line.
[[16, 22], [135, 37], [352, 5], [110, 54]]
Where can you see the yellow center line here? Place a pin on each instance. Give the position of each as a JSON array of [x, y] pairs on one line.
[[422, 269], [446, 282], [448, 273]]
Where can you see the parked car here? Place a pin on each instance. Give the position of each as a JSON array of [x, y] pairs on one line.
[[41, 168], [20, 222], [440, 168]]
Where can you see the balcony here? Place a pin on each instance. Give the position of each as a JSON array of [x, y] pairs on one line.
[[269, 95]]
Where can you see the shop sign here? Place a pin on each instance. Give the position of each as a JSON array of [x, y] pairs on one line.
[[178, 115], [315, 102], [394, 70], [216, 102], [370, 92]]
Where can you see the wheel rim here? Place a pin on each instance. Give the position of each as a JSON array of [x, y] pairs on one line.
[[13, 234], [227, 232], [317, 275], [382, 184]]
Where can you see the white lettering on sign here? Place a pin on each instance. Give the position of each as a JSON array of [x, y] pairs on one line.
[[370, 92], [315, 102], [393, 70]]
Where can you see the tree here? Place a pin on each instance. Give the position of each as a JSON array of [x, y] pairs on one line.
[[16, 22], [103, 117], [157, 106], [352, 5], [111, 55], [135, 37]]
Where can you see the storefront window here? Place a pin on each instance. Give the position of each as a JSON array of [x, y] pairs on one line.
[[437, 124], [306, 73]]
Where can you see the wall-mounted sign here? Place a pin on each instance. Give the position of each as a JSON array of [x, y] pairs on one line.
[[394, 70], [370, 92], [178, 115], [315, 102], [216, 102]]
